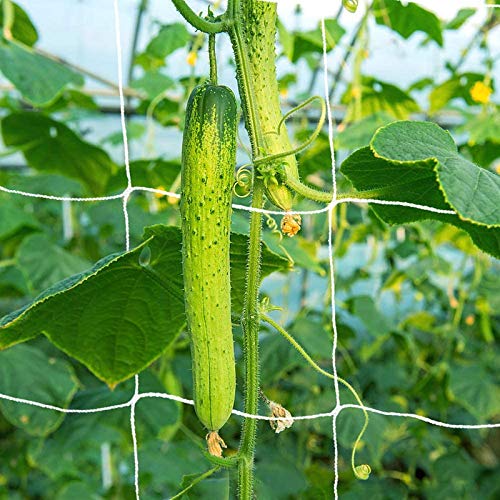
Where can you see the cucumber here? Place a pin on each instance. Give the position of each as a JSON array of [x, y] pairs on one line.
[[208, 163]]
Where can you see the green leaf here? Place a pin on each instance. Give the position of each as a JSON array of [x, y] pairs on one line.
[[216, 486], [375, 322], [39, 79], [286, 39], [77, 489], [50, 146], [307, 42], [459, 20], [470, 386], [154, 172], [271, 262], [153, 83], [170, 38], [378, 96], [23, 29], [119, 316], [482, 128], [408, 19], [418, 162], [55, 264], [27, 373], [473, 192], [54, 184], [483, 154], [358, 134], [13, 218], [457, 87], [12, 281]]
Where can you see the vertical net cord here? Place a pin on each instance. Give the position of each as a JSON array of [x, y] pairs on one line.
[[331, 208], [126, 195]]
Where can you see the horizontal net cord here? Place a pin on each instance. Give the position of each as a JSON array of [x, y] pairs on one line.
[[160, 395], [128, 191]]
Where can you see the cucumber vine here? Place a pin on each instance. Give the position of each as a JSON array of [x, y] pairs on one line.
[[251, 26]]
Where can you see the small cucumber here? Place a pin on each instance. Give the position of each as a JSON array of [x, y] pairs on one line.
[[208, 163]]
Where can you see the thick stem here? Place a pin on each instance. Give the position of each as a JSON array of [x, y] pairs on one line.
[[196, 21], [252, 28], [213, 59], [251, 323]]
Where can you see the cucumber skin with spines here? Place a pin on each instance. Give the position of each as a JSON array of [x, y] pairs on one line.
[[208, 162]]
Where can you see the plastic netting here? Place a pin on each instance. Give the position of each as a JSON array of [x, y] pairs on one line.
[[338, 407]]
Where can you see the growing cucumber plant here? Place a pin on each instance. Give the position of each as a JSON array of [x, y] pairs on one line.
[[251, 26], [407, 168]]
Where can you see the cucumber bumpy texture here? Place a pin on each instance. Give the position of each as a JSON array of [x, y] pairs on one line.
[[208, 163]]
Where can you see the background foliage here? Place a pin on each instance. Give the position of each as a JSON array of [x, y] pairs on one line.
[[417, 305]]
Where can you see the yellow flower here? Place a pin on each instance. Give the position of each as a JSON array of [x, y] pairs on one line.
[[192, 58], [480, 92], [160, 195]]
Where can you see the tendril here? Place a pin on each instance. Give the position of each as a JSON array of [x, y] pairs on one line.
[[360, 471], [243, 182], [273, 226], [305, 144]]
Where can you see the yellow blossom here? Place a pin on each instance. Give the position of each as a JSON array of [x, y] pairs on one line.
[[160, 195], [480, 92], [356, 92], [192, 57], [469, 320]]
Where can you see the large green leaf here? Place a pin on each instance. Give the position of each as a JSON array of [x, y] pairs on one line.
[[22, 29], [408, 19], [473, 192], [27, 373], [39, 79], [418, 162], [120, 315], [50, 146]]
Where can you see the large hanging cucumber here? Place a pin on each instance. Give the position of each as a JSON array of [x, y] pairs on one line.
[[208, 162]]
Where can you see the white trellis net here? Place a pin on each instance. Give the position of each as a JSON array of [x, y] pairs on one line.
[[125, 195]]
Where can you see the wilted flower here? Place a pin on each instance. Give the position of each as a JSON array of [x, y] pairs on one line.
[[290, 224], [215, 444], [283, 414]]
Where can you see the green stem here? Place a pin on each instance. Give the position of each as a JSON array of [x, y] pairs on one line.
[[251, 323], [250, 316], [213, 59], [313, 364], [196, 481], [196, 21], [8, 19]]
